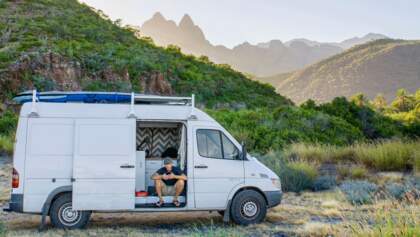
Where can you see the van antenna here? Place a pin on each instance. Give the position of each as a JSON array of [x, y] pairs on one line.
[[192, 114], [132, 113], [34, 111]]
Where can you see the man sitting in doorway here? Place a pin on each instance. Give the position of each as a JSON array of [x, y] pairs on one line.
[[169, 181]]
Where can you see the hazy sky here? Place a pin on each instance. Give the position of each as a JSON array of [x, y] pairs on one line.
[[230, 22]]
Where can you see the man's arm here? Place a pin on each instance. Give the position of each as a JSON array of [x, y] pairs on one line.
[[156, 176], [178, 174], [181, 177]]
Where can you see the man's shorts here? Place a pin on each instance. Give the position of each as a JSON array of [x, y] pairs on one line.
[[168, 190]]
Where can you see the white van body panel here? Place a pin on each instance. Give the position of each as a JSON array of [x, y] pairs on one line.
[[103, 147], [19, 154], [49, 154]]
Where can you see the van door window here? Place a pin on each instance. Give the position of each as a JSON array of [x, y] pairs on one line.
[[209, 144], [229, 150], [214, 144]]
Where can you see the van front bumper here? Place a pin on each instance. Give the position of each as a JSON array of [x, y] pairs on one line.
[[273, 198], [15, 204]]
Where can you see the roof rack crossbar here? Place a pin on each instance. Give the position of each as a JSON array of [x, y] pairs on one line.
[[163, 99]]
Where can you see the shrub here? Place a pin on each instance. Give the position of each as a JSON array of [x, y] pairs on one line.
[[373, 125], [395, 190], [309, 169], [358, 172], [295, 176], [295, 180], [8, 122], [359, 192], [324, 182], [388, 155], [6, 144], [413, 185]]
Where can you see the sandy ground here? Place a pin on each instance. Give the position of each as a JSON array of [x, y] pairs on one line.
[[306, 214]]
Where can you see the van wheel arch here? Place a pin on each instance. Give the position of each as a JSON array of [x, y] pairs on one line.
[[251, 188], [56, 197], [53, 196], [63, 216]]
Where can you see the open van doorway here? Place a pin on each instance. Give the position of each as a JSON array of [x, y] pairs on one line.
[[157, 143]]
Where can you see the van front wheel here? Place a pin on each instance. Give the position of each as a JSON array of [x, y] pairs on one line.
[[248, 207], [64, 217]]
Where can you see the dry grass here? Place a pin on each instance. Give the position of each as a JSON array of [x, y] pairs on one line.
[[392, 155], [306, 214]]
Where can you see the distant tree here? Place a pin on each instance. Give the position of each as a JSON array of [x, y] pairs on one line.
[[309, 104], [379, 103], [417, 97], [403, 102], [174, 48], [204, 58], [118, 22], [359, 99]]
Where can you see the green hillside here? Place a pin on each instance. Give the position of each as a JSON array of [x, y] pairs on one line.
[[66, 45], [381, 66]]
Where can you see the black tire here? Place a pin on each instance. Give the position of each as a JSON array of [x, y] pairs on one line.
[[63, 217], [248, 207]]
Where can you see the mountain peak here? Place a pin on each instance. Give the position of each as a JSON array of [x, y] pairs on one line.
[[186, 21], [158, 16], [375, 36]]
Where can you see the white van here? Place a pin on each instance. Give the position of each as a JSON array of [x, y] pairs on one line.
[[72, 159]]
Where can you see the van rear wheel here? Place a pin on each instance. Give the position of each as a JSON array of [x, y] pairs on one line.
[[64, 217], [248, 207]]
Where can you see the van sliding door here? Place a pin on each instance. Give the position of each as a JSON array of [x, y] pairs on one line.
[[103, 164]]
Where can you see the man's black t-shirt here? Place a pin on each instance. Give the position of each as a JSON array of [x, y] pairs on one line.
[[175, 171]]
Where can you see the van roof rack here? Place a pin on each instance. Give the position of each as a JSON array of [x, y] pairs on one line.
[[102, 97], [99, 97]]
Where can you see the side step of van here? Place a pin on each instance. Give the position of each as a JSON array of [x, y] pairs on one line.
[[150, 202]]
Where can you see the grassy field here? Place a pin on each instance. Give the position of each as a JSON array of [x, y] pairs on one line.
[[305, 214]]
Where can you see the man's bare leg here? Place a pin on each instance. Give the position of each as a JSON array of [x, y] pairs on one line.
[[159, 187], [179, 187]]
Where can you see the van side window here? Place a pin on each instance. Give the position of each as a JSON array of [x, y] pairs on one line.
[[214, 144]]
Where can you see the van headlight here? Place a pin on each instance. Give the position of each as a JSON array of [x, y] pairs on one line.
[[276, 183]]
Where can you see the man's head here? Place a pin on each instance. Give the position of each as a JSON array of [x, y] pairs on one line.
[[168, 163]]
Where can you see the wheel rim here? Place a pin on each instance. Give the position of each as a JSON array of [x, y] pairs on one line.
[[249, 209], [68, 216]]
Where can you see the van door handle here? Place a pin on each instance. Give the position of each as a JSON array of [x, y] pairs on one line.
[[127, 166], [201, 167]]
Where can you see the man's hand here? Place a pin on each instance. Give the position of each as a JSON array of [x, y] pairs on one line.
[[171, 176]]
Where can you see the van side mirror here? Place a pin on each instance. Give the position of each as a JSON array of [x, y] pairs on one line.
[[243, 153]]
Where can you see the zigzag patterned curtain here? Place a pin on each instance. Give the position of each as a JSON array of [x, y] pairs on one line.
[[157, 139]]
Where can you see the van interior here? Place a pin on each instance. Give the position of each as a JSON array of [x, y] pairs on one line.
[[154, 142]]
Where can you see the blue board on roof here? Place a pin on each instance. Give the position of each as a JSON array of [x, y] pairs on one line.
[[75, 97]]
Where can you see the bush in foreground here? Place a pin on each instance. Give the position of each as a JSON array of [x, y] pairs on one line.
[[324, 182], [294, 176], [359, 192]]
